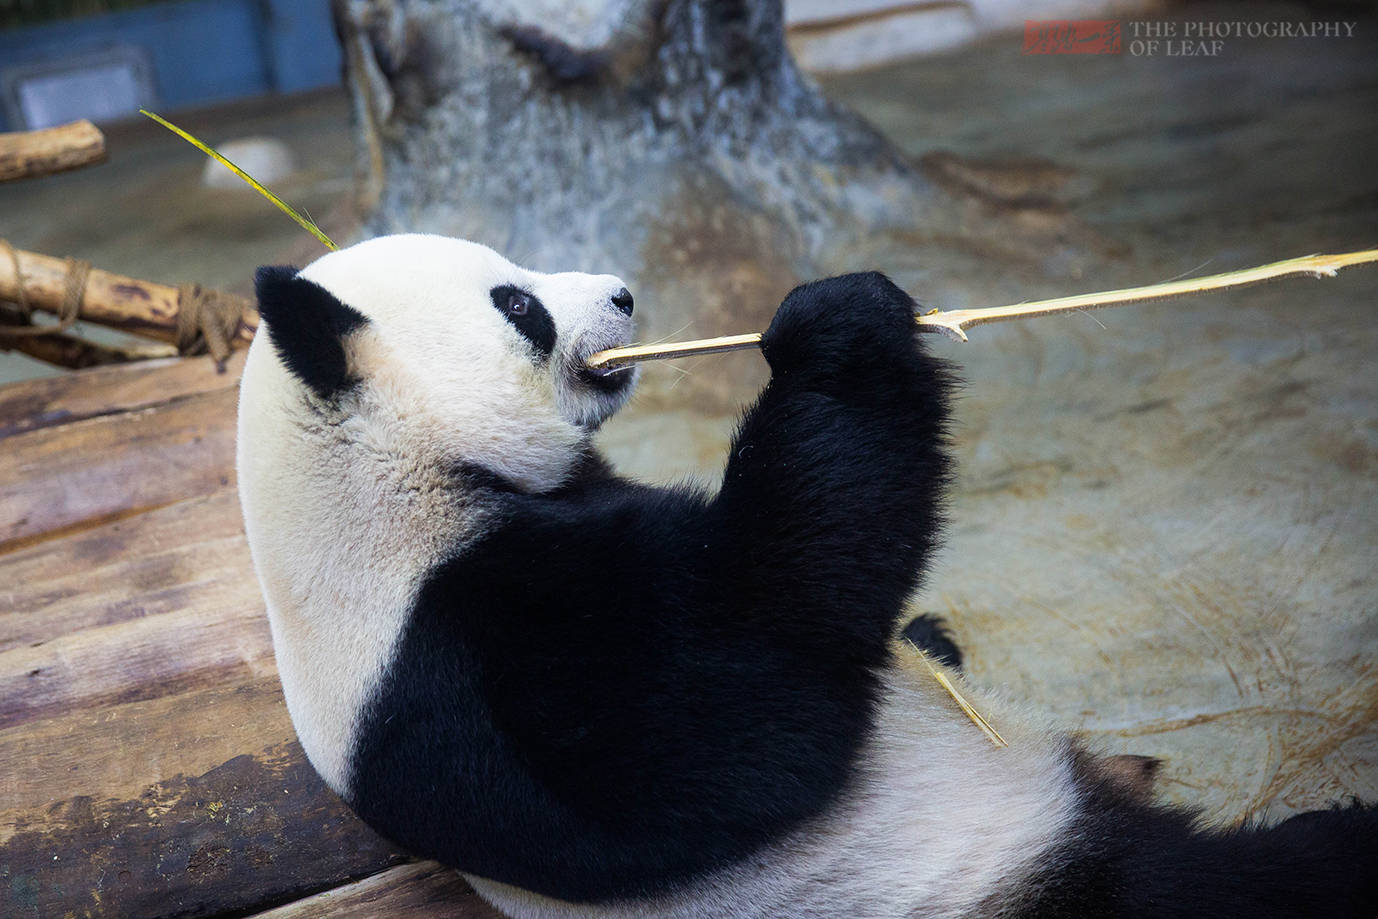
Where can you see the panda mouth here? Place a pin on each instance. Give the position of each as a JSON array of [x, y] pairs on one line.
[[605, 379], [608, 379], [603, 372]]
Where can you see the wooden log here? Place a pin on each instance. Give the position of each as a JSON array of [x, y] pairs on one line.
[[30, 154], [115, 465], [139, 659], [260, 828], [149, 766], [76, 353], [194, 803], [143, 307], [32, 404], [116, 751], [147, 763], [189, 555], [421, 889]]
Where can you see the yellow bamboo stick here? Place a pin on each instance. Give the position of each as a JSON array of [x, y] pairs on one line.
[[967, 708], [954, 323], [286, 208]]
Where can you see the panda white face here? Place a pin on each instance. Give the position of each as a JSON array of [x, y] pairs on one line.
[[442, 350], [450, 309]]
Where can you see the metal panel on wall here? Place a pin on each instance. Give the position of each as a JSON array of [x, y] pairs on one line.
[[170, 55]]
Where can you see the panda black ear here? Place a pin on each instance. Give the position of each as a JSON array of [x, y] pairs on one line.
[[307, 325]]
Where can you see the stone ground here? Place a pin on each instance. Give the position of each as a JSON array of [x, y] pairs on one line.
[[1165, 520]]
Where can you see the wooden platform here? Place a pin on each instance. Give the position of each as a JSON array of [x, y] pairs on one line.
[[147, 763]]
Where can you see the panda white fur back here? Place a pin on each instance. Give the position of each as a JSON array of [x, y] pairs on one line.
[[922, 831], [597, 698]]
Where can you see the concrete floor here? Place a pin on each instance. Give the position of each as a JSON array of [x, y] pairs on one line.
[[1165, 522]]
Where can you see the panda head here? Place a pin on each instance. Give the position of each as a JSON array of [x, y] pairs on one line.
[[442, 351]]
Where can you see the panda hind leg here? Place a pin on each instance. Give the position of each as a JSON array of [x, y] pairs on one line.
[[929, 632]]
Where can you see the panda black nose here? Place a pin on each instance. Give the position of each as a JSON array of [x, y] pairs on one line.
[[623, 301]]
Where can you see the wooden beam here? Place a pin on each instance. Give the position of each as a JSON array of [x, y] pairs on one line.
[[188, 555], [76, 475], [73, 351], [30, 154], [150, 766], [28, 405], [143, 307], [148, 657]]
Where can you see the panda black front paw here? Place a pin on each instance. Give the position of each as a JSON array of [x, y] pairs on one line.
[[841, 327]]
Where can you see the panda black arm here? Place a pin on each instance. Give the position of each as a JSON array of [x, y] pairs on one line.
[[831, 502]]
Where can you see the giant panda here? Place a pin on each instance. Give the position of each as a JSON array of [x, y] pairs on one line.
[[596, 698]]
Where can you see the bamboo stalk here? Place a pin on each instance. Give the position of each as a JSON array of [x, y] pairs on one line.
[[953, 323], [29, 154], [142, 307], [253, 183], [967, 708]]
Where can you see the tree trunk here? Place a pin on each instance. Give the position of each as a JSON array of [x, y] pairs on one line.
[[673, 142]]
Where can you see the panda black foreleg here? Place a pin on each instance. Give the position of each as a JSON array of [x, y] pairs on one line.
[[831, 501]]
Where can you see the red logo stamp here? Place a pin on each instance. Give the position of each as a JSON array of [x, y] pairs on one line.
[[1072, 36]]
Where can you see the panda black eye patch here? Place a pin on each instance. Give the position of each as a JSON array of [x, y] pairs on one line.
[[528, 315]]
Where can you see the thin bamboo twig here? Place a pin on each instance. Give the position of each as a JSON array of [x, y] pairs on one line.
[[967, 708], [283, 206], [953, 323]]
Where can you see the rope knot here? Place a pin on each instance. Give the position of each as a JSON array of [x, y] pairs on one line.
[[207, 320]]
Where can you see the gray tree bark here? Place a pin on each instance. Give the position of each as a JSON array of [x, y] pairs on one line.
[[673, 142]]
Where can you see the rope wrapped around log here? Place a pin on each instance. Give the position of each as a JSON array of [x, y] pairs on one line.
[[192, 317], [68, 309]]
